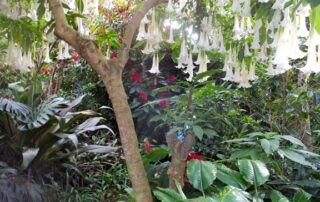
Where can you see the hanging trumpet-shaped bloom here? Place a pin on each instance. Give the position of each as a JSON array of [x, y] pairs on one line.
[[47, 55], [263, 52], [142, 32], [279, 4], [170, 8], [312, 66], [246, 12], [294, 51], [276, 19], [190, 67], [80, 26], [236, 29], [236, 6], [171, 40], [302, 27], [66, 54], [183, 57], [247, 52], [60, 50], [252, 72], [256, 37], [244, 82], [155, 64]]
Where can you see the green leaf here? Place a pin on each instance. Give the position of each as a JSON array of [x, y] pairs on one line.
[[291, 139], [203, 199], [158, 154], [269, 146], [254, 171], [28, 156], [315, 17], [233, 194], [277, 196], [80, 5], [41, 9], [230, 177], [167, 195], [201, 174], [294, 156], [198, 131], [265, 144], [301, 196]]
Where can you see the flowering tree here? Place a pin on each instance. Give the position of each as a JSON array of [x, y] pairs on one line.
[[271, 33]]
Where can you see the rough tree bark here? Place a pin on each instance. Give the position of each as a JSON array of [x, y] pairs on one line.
[[180, 151], [111, 74]]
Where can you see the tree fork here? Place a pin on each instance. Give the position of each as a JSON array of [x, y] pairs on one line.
[[111, 74]]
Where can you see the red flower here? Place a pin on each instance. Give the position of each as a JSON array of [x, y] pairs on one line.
[[46, 70], [135, 76], [171, 78], [147, 146], [75, 57], [121, 11], [164, 103], [143, 96], [153, 84], [114, 54], [120, 39], [194, 155], [130, 63]]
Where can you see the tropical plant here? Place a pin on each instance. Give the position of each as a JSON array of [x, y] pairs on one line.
[[44, 133]]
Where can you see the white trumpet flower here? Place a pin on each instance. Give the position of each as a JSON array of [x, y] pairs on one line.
[[170, 8], [66, 54], [60, 50], [155, 64], [312, 66], [190, 67], [47, 55]]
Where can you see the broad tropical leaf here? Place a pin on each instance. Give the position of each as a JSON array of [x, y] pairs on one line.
[[301, 196], [51, 106], [269, 146], [254, 171], [277, 196], [294, 156], [233, 194], [201, 174], [230, 177], [167, 195]]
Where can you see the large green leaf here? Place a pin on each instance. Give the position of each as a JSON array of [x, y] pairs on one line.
[[167, 195], [204, 199], [201, 174], [277, 196], [254, 171], [269, 146], [291, 139], [301, 196], [198, 131], [230, 177], [158, 154], [233, 194], [50, 107], [294, 156]]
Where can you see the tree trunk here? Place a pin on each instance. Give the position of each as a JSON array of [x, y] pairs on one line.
[[179, 153], [128, 136]]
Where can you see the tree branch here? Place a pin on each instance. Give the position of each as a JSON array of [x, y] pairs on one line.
[[132, 26], [85, 47]]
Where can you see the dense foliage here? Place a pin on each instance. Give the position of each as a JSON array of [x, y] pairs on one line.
[[250, 101]]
